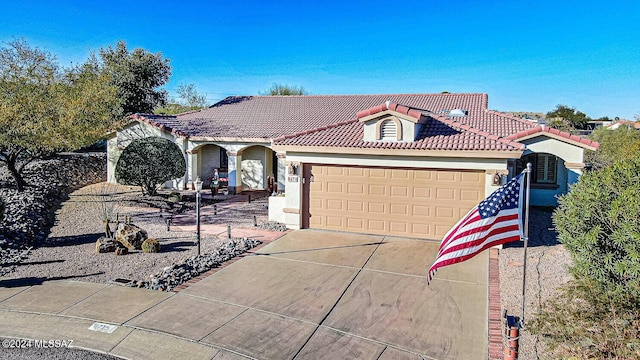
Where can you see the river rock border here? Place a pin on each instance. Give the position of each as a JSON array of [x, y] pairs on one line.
[[179, 273]]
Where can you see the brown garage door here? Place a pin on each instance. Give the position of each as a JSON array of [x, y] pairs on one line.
[[405, 202]]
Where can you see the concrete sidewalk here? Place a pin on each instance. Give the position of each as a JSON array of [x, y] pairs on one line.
[[308, 295]]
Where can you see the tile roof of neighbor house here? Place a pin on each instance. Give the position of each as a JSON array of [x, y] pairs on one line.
[[332, 120]]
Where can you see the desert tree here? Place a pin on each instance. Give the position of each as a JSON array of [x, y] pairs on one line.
[[46, 109], [189, 99], [286, 90], [138, 75], [564, 114]]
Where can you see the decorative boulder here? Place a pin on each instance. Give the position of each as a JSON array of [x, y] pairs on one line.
[[121, 251], [151, 246], [106, 245], [131, 236]]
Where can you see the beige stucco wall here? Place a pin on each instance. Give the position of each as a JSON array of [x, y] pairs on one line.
[[409, 129], [544, 144], [293, 199]]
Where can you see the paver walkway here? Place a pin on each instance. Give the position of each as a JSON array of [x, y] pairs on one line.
[[308, 295]]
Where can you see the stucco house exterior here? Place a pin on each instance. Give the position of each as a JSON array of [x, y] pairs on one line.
[[407, 165]]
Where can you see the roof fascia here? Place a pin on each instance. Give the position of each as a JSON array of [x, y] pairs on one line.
[[556, 137], [490, 154]]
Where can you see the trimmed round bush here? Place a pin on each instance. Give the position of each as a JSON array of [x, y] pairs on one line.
[[150, 246], [149, 163]]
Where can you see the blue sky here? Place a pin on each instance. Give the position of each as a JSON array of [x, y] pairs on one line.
[[528, 56]]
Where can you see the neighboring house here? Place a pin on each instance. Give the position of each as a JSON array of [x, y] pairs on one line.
[[408, 165], [624, 123]]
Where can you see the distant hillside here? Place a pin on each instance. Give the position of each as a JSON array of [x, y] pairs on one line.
[[527, 115]]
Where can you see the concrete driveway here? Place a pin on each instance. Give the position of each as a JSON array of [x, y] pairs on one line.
[[309, 295]]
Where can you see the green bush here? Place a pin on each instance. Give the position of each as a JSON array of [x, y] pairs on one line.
[[598, 314], [150, 246], [149, 163], [599, 223], [620, 144]]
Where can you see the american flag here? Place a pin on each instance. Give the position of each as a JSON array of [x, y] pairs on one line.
[[495, 221]]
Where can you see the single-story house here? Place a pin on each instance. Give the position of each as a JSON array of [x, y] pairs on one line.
[[408, 165]]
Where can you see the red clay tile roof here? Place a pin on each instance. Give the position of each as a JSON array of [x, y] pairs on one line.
[[269, 117], [437, 134], [332, 120], [541, 129]]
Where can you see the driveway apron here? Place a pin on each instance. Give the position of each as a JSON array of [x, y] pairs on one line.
[[308, 295]]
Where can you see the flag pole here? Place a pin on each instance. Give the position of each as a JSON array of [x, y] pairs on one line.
[[525, 238]]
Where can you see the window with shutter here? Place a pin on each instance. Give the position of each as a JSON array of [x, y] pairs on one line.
[[544, 168], [389, 131]]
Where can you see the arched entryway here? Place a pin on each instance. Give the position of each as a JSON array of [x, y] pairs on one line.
[[211, 158], [257, 164], [549, 177]]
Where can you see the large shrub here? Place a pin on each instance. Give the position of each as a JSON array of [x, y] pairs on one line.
[[598, 314], [599, 223], [150, 162]]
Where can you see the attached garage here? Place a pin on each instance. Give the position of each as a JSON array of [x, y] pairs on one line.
[[423, 203]]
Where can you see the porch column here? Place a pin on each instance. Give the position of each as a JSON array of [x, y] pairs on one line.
[[192, 168], [282, 171], [235, 172]]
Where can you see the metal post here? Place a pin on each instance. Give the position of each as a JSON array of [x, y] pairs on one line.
[[215, 209], [198, 220], [255, 221], [526, 239], [168, 224], [228, 231], [249, 198]]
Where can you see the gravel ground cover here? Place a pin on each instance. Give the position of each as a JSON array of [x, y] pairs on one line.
[[69, 251], [547, 263]]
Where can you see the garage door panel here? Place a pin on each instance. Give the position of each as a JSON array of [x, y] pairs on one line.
[[399, 174], [335, 204], [336, 171], [379, 190], [335, 221], [421, 193], [469, 195], [378, 173], [445, 194], [355, 189], [399, 191], [421, 210], [398, 227], [353, 205], [420, 203], [445, 212], [446, 176], [376, 207], [376, 225], [355, 224], [471, 177], [334, 187], [399, 209]]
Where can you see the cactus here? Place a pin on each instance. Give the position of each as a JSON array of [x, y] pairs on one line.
[[150, 246]]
